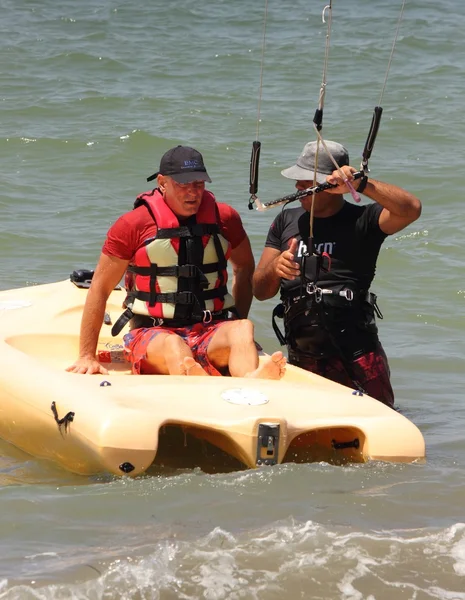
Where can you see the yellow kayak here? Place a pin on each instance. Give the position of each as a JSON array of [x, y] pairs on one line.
[[124, 424]]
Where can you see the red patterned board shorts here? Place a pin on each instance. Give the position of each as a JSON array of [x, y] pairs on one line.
[[197, 337], [370, 369]]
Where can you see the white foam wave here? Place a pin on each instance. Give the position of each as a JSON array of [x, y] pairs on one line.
[[287, 559]]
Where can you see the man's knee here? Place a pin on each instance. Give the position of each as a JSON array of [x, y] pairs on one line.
[[163, 345], [173, 343], [231, 334], [242, 331]]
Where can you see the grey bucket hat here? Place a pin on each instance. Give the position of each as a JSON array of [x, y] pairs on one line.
[[304, 168]]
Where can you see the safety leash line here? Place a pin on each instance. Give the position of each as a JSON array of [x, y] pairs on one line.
[[317, 123], [318, 116], [378, 110], [256, 145]]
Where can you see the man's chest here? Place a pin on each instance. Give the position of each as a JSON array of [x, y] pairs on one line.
[[336, 241]]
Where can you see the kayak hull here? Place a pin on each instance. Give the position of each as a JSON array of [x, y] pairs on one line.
[[125, 424]]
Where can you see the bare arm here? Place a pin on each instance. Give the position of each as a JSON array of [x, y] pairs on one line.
[[272, 267], [400, 208], [243, 265], [107, 275]]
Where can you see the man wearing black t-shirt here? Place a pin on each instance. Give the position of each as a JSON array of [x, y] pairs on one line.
[[324, 279]]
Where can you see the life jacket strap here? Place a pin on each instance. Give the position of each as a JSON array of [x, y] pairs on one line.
[[188, 231], [206, 317], [185, 298], [121, 322], [222, 264], [188, 271]]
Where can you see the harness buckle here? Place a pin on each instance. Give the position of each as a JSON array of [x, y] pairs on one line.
[[347, 294], [311, 288], [372, 299], [314, 290], [207, 317]]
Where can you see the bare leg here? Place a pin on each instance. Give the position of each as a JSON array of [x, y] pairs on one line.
[[233, 345], [190, 367], [165, 355]]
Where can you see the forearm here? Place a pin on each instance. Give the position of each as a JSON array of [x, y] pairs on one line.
[[91, 324], [266, 281], [396, 200], [242, 291]]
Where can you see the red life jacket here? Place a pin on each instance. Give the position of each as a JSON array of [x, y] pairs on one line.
[[181, 273]]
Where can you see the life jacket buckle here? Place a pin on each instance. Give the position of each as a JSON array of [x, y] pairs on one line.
[[207, 317]]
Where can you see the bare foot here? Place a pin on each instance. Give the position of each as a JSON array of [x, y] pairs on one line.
[[190, 367], [274, 368]]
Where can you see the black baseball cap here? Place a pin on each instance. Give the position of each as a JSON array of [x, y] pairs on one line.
[[183, 164]]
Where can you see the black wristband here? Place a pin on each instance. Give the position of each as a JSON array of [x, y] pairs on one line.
[[363, 184]]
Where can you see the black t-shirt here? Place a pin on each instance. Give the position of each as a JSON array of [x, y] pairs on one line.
[[352, 238]]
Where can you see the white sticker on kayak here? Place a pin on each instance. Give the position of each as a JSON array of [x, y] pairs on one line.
[[14, 304], [246, 396]]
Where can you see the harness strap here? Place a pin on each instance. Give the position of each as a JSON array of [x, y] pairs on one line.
[[349, 369], [317, 295], [373, 298], [278, 311], [292, 308], [313, 289]]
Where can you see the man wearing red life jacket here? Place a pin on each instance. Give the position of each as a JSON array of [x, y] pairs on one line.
[[174, 248]]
